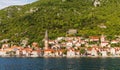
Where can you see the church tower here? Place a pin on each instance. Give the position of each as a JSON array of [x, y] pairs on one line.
[[46, 40], [102, 39]]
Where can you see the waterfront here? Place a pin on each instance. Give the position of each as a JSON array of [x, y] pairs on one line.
[[13, 63]]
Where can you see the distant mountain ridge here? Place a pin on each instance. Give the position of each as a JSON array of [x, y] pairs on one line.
[[58, 16]]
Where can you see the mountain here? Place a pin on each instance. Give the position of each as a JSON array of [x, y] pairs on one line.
[[58, 16]]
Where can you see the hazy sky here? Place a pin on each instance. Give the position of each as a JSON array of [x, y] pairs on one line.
[[6, 3]]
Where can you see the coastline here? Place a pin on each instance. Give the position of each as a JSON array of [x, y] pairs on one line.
[[60, 57]]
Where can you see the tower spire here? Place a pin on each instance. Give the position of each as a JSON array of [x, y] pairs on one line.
[[46, 35]]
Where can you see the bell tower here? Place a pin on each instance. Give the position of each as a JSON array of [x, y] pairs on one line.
[[46, 40]]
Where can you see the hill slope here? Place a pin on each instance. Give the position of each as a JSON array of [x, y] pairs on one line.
[[58, 16]]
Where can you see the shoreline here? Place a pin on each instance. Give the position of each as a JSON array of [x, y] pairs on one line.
[[60, 57]]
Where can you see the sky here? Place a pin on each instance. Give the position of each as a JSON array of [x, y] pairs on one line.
[[6, 3]]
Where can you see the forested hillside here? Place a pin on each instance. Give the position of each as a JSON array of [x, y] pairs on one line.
[[58, 16]]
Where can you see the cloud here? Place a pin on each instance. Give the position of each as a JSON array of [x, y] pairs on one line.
[[6, 3]]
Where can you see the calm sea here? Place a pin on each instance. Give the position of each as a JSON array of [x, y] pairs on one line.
[[59, 63]]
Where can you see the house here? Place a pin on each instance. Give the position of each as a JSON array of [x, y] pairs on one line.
[[74, 41], [60, 38], [96, 3], [56, 46], [114, 42], [77, 38], [61, 52], [77, 44], [102, 26], [94, 38], [15, 48], [71, 53], [94, 52], [34, 44], [4, 46], [8, 49], [87, 45], [24, 52], [105, 43], [112, 51], [34, 53], [69, 44], [3, 53], [56, 53], [77, 52], [117, 50], [82, 42], [28, 51], [18, 53], [104, 53], [72, 31], [86, 40], [51, 42], [48, 52], [88, 50], [40, 52], [91, 45]]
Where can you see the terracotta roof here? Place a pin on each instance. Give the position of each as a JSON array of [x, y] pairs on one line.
[[94, 37], [49, 50]]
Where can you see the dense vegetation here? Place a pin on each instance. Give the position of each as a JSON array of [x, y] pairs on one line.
[[58, 16]]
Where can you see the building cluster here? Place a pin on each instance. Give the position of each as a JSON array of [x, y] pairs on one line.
[[93, 46], [20, 51], [66, 47], [81, 46]]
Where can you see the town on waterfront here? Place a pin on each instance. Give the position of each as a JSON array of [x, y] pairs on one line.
[[93, 46], [76, 28]]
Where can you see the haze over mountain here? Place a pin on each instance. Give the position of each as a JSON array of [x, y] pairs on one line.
[[58, 16]]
